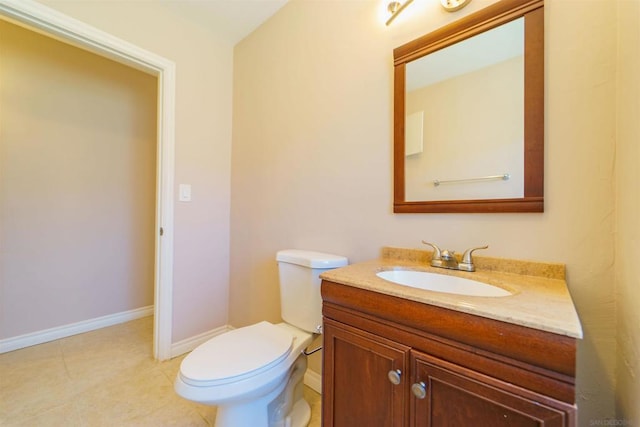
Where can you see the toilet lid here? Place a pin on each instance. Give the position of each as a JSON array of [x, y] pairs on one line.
[[237, 354]]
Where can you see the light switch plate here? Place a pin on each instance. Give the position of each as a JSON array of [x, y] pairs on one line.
[[184, 193]]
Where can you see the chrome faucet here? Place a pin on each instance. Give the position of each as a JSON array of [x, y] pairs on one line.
[[447, 259]]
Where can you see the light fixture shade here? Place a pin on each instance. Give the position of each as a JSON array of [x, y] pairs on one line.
[[453, 5], [395, 8]]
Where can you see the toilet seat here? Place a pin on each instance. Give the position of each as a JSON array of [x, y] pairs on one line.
[[236, 355]]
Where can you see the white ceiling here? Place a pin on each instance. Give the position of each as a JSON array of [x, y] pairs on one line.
[[231, 19], [491, 47]]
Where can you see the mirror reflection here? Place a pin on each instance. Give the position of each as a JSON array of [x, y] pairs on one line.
[[464, 124]]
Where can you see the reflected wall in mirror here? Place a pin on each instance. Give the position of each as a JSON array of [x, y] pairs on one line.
[[469, 114], [463, 91]]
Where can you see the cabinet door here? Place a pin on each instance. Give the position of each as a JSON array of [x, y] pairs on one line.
[[357, 389], [456, 396]]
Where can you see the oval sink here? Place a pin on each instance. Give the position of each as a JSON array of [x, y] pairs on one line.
[[442, 283]]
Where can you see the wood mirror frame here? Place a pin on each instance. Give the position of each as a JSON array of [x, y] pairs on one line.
[[492, 16]]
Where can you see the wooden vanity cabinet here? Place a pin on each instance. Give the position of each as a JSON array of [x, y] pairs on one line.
[[359, 386], [393, 362]]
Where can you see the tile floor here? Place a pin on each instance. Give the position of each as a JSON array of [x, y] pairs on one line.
[[101, 378]]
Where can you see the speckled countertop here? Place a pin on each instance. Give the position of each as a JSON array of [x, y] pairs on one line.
[[540, 298]]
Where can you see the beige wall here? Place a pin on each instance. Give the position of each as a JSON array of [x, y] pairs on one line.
[[77, 184], [203, 143], [311, 161], [628, 213]]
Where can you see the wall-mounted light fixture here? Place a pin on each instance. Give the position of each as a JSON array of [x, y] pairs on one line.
[[395, 8], [453, 5]]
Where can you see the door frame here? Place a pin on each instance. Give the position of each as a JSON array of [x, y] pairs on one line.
[[40, 18]]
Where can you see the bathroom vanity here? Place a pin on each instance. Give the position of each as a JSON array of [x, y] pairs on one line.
[[399, 356]]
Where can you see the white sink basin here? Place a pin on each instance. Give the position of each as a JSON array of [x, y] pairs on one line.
[[442, 283]]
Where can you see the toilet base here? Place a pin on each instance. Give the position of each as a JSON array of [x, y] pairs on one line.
[[300, 415], [253, 413], [290, 409], [282, 407]]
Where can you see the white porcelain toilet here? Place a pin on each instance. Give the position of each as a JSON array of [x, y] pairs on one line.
[[254, 374]]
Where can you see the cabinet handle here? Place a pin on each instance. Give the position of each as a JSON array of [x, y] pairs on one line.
[[419, 390], [394, 376]]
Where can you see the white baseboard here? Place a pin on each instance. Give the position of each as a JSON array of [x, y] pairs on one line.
[[181, 347], [313, 380], [39, 337]]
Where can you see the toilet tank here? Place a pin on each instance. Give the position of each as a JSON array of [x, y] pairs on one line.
[[299, 271]]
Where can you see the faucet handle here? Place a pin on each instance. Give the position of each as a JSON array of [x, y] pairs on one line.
[[436, 250], [448, 255], [467, 259]]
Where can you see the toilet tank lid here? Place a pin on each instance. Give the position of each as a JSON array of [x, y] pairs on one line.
[[311, 259]]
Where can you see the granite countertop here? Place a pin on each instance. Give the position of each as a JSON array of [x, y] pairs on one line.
[[540, 298]]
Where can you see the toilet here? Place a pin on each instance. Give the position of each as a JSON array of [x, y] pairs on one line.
[[254, 374]]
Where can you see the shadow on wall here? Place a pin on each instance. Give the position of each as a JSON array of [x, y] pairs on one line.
[[588, 360]]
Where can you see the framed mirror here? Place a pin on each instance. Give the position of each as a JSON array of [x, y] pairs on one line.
[[469, 114]]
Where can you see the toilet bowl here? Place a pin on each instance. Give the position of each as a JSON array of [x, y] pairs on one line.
[[254, 374], [250, 371]]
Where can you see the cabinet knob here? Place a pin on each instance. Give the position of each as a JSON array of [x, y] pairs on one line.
[[394, 376], [419, 390]]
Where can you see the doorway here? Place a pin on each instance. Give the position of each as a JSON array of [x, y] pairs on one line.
[[44, 20]]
